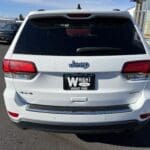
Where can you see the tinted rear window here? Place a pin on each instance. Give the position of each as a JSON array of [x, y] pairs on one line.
[[90, 37]]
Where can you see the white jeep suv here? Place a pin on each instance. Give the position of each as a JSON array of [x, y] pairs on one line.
[[78, 71]]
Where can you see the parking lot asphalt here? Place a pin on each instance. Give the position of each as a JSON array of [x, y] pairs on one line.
[[13, 138]]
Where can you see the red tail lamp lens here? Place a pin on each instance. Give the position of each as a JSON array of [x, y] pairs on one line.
[[136, 67], [15, 66], [79, 15], [136, 70], [13, 114]]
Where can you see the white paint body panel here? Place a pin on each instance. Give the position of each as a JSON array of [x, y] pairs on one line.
[[47, 87]]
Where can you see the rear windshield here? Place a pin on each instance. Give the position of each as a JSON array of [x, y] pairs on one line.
[[85, 37]]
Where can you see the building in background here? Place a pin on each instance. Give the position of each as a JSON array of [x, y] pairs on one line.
[[142, 16]]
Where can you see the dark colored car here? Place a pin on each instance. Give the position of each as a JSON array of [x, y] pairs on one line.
[[8, 31]]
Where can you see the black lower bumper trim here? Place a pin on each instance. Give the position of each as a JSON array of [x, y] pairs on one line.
[[86, 128]]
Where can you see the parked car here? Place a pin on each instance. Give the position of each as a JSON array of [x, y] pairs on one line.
[[78, 71], [8, 31]]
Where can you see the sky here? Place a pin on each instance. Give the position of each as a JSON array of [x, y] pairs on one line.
[[12, 8]]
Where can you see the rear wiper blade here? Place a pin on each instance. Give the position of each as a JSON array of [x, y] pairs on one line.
[[97, 49]]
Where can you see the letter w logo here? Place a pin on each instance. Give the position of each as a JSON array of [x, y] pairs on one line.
[[73, 81]]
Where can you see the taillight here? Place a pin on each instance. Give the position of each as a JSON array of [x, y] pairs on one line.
[[136, 70], [19, 69], [78, 15], [13, 114]]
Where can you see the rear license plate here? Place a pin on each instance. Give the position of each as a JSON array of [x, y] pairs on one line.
[[79, 81]]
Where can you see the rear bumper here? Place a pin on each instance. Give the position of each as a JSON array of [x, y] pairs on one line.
[[85, 128], [78, 123]]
